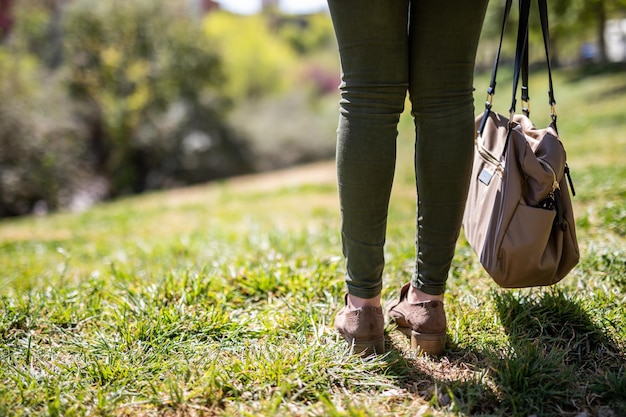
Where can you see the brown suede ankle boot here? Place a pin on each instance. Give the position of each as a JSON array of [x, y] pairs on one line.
[[424, 323], [363, 328]]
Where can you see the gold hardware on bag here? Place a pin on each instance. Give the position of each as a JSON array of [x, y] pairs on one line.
[[526, 107], [489, 100], [553, 110]]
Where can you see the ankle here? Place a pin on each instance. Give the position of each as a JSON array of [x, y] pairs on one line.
[[417, 296], [353, 302]]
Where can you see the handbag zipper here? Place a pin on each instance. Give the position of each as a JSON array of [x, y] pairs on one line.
[[555, 183], [556, 195], [487, 156]]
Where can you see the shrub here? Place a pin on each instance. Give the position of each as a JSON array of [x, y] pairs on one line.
[[41, 146], [134, 62], [289, 129], [258, 62], [307, 34]]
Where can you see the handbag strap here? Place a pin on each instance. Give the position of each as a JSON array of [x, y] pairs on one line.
[[521, 61], [521, 51], [525, 98], [545, 29], [491, 91], [492, 84]]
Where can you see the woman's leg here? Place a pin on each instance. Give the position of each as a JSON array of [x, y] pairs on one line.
[[373, 48], [443, 42]]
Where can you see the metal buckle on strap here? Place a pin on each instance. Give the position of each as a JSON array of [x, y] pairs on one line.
[[553, 111]]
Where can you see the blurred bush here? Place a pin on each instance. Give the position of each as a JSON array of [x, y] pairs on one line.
[[149, 77], [259, 63], [280, 71], [288, 129], [41, 144], [102, 99], [306, 34]]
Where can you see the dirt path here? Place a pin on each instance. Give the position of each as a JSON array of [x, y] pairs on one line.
[[315, 173]]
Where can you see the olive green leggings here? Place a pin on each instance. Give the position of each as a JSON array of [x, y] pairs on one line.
[[389, 47]]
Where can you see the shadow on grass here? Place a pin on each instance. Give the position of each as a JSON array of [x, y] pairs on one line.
[[456, 381], [557, 361], [584, 72]]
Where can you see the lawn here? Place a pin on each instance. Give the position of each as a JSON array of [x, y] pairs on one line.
[[219, 299]]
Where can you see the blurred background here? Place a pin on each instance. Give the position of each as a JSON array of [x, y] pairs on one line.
[[102, 99]]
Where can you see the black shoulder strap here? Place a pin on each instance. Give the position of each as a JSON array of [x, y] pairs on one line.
[[520, 50], [521, 61], [525, 96], [494, 72], [545, 29], [492, 85]]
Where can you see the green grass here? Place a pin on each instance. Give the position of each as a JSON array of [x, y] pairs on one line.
[[219, 300]]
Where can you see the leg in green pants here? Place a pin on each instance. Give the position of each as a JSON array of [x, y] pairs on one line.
[[388, 48]]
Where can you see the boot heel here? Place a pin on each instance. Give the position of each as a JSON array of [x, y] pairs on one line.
[[430, 343], [369, 347]]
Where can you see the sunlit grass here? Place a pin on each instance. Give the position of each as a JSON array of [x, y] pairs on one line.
[[219, 300]]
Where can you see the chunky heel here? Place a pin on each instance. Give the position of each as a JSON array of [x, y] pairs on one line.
[[430, 343], [370, 347], [363, 328], [423, 322]]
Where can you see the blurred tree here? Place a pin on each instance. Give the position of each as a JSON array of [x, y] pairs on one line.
[[258, 61], [131, 62], [41, 144], [575, 16], [152, 90], [306, 34], [39, 29], [599, 11], [570, 22]]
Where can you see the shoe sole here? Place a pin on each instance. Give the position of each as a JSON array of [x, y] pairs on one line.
[[367, 348], [429, 343]]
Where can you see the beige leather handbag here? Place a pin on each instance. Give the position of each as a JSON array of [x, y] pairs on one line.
[[518, 216]]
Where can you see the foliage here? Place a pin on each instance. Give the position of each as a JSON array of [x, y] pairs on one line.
[[279, 76], [306, 35], [288, 129], [148, 92], [38, 30], [572, 23], [133, 63], [259, 63], [41, 147]]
